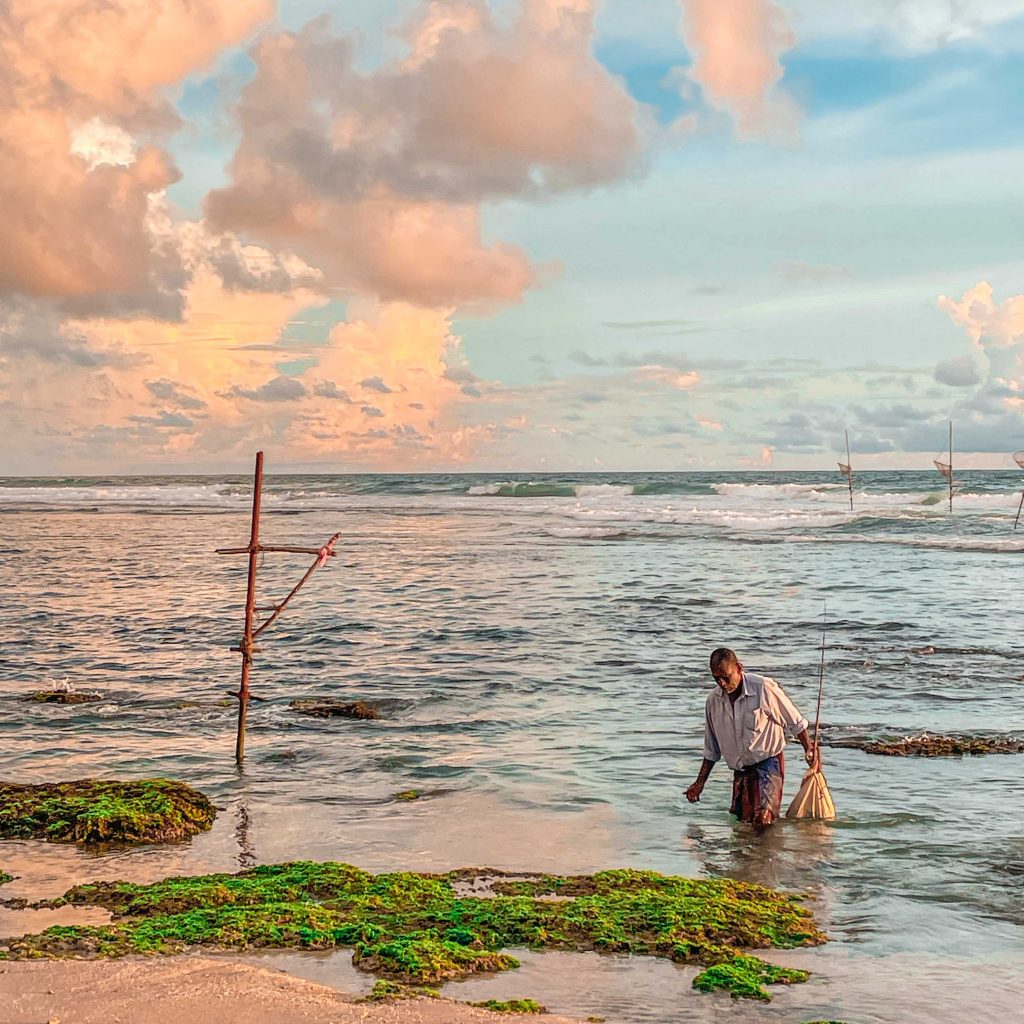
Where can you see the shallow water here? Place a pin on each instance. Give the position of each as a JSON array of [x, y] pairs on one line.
[[540, 662]]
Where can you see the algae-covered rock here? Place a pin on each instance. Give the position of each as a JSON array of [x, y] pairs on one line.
[[512, 1006], [408, 795], [100, 811], [391, 991], [5, 878], [744, 976], [329, 708], [61, 696], [932, 745], [417, 929]]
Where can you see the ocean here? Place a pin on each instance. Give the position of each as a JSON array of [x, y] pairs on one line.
[[538, 648]]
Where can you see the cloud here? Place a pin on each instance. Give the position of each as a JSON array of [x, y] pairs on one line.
[[328, 389], [961, 372], [909, 25], [669, 377], [181, 395], [278, 389], [36, 333], [736, 46], [377, 175], [77, 78], [586, 359], [994, 411], [801, 274], [375, 384]]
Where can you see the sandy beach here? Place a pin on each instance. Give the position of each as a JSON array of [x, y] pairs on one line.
[[183, 990]]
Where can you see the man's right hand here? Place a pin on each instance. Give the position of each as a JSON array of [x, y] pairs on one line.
[[694, 792]]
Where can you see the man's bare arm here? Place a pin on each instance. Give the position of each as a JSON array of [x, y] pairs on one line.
[[694, 792]]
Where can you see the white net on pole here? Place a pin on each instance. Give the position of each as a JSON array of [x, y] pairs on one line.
[[844, 469], [944, 468], [1018, 457]]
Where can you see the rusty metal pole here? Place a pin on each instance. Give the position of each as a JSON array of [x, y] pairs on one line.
[[250, 605]]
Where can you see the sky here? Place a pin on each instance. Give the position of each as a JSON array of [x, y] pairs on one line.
[[509, 236]]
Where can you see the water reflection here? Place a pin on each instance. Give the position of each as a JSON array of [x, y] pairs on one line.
[[246, 850]]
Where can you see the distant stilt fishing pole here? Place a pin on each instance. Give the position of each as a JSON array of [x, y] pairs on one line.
[[1018, 457], [846, 468], [250, 632], [946, 468]]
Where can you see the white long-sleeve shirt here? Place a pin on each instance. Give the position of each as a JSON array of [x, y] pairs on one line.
[[752, 727]]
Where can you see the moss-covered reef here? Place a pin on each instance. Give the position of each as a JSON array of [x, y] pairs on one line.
[[928, 745], [419, 929], [511, 1006], [329, 708], [62, 696], [391, 991], [98, 811]]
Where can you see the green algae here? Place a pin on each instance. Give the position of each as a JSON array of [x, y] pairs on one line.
[[390, 991], [5, 878], [420, 928], [511, 1005], [98, 811], [745, 976], [408, 795]]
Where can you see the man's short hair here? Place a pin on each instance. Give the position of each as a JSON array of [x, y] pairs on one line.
[[723, 656]]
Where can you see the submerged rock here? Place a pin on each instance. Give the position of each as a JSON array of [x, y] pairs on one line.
[[418, 929], [100, 811], [928, 745], [330, 708], [61, 697]]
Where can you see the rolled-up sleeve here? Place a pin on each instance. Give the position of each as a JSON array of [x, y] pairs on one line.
[[711, 751], [782, 709]]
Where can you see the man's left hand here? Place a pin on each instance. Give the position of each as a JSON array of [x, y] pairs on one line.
[[813, 757]]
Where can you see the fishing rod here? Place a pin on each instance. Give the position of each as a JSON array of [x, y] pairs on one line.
[[821, 680]]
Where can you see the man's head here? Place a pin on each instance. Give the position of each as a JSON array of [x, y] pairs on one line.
[[726, 669]]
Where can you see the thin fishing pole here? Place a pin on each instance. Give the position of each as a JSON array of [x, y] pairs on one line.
[[821, 677]]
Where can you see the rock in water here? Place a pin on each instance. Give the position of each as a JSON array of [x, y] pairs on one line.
[[102, 811], [61, 697], [329, 708]]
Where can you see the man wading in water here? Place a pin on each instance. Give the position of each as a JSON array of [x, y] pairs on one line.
[[745, 721]]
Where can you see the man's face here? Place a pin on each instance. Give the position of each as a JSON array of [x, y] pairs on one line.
[[728, 675]]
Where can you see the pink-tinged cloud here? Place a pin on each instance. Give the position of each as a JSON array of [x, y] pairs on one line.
[[377, 175], [708, 424], [669, 377], [996, 331], [736, 47], [423, 251], [74, 216]]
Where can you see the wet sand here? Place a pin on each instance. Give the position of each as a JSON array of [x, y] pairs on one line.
[[183, 990]]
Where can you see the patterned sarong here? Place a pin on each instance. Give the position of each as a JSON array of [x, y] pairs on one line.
[[757, 791]]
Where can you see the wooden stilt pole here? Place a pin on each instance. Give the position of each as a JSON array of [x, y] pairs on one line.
[[849, 466], [250, 631], [245, 646], [950, 465], [1019, 507]]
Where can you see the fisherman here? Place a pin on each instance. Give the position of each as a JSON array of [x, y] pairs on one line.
[[745, 721]]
